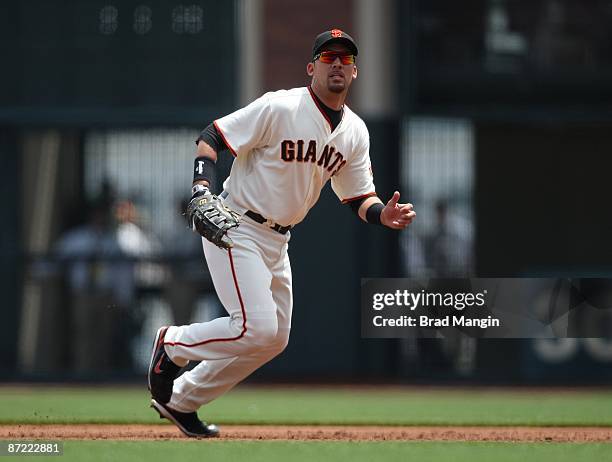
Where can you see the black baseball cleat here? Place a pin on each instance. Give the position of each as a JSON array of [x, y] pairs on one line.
[[162, 371], [187, 422]]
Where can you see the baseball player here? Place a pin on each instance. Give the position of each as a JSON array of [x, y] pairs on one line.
[[287, 144]]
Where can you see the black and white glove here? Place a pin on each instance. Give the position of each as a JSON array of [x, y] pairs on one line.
[[210, 218]]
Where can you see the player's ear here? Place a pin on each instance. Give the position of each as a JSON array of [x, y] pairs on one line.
[[354, 72], [310, 69]]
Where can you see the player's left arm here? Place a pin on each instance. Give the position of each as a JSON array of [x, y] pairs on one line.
[[356, 181], [393, 214]]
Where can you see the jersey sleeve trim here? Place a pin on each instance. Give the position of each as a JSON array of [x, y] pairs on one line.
[[229, 146], [363, 196]]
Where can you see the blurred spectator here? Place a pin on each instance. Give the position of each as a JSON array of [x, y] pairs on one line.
[[95, 280], [449, 248], [137, 244], [103, 275], [132, 239], [444, 253]]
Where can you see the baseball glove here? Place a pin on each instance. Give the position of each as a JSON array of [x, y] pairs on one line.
[[210, 218]]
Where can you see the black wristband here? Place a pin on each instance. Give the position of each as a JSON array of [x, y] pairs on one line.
[[203, 169], [373, 213]]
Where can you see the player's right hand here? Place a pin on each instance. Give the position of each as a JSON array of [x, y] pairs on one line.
[[210, 218]]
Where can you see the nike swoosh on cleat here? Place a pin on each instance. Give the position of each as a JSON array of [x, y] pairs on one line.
[[157, 369]]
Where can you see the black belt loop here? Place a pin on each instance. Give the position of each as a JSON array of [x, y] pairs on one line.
[[261, 220]]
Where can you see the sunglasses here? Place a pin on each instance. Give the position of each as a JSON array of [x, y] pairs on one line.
[[328, 57]]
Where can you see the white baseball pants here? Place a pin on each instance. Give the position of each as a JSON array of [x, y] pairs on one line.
[[253, 282]]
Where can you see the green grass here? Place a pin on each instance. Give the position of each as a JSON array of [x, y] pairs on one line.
[[385, 406], [283, 451]]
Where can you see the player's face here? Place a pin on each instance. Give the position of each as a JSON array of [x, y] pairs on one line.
[[335, 76]]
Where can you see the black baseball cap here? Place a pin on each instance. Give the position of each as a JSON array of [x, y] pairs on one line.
[[334, 35]]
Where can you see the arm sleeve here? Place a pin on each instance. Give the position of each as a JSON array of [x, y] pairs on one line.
[[354, 181], [354, 205], [247, 128], [211, 137]]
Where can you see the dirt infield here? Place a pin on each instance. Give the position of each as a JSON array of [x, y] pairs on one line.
[[312, 433]]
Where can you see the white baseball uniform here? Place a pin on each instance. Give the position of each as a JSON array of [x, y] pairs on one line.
[[285, 151]]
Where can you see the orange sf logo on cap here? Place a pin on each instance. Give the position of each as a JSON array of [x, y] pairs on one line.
[[335, 33]]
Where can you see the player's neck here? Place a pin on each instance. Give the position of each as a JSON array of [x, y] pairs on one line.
[[332, 100]]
